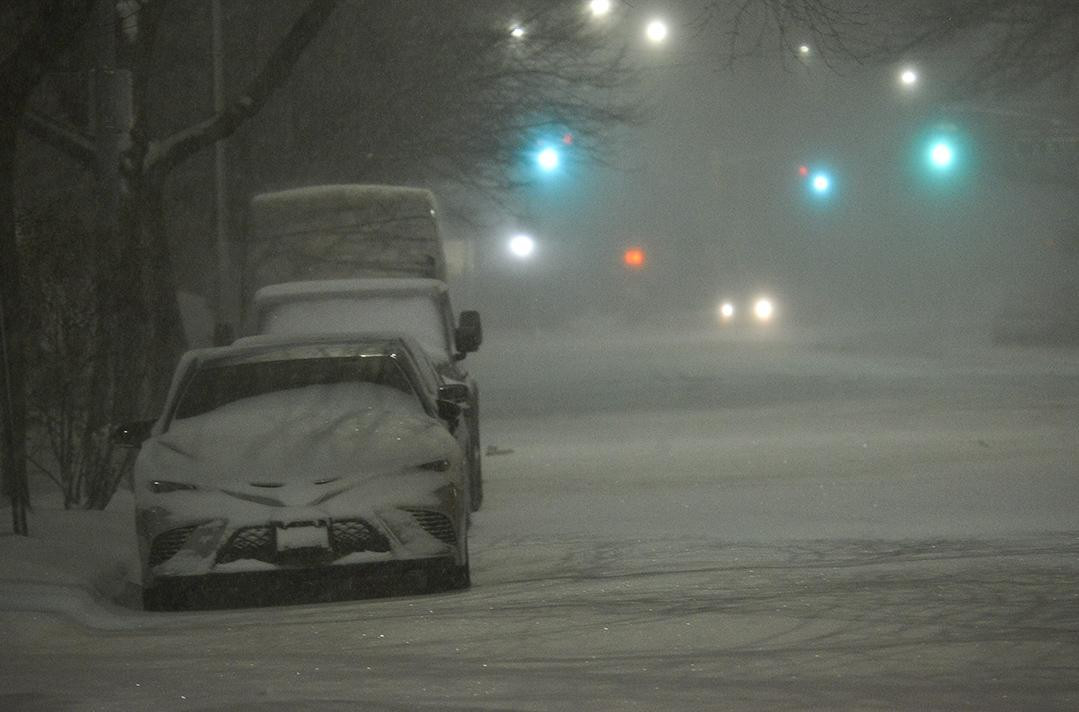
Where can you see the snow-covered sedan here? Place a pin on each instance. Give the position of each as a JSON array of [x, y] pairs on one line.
[[310, 462]]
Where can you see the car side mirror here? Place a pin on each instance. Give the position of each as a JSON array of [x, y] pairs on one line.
[[449, 412], [469, 333], [454, 392], [132, 434]]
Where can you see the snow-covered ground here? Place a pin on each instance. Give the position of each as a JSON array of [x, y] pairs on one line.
[[672, 521]]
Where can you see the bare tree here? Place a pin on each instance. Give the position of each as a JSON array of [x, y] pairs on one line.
[[1008, 46], [453, 97], [148, 297], [69, 391], [1012, 45], [34, 33]]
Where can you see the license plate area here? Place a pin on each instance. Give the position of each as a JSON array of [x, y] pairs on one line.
[[302, 535]]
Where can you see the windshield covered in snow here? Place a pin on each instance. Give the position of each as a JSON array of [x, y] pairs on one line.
[[419, 315], [219, 385]]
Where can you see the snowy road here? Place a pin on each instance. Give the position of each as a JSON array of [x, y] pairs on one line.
[[671, 522]]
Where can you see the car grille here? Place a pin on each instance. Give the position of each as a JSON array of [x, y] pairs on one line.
[[436, 524], [347, 536], [351, 535], [167, 544], [250, 543]]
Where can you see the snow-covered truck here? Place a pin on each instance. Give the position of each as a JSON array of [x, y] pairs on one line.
[[362, 258]]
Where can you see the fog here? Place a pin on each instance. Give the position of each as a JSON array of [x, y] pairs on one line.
[[709, 188]]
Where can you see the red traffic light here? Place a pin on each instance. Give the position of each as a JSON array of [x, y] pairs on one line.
[[633, 258]]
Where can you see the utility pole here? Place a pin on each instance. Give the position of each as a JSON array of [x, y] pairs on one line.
[[106, 128], [14, 456], [226, 311]]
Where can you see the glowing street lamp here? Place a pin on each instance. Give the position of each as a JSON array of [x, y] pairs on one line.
[[522, 246], [656, 31], [804, 50], [908, 77], [517, 32], [599, 8]]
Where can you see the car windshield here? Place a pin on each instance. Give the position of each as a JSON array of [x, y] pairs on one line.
[[218, 385]]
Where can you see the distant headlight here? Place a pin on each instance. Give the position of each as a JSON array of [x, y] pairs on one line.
[[763, 309], [164, 486], [726, 311]]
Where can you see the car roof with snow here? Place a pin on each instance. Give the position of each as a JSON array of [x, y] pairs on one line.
[[322, 288]]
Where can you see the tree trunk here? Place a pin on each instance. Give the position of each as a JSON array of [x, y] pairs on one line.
[[12, 335], [166, 340]]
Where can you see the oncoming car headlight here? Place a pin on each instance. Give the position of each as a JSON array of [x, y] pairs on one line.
[[763, 309], [725, 311]]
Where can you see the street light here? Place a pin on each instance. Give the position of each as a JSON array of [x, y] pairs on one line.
[[908, 77], [599, 8], [656, 31], [517, 32], [804, 50], [522, 246]]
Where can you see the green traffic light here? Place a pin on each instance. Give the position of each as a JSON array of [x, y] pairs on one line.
[[941, 154]]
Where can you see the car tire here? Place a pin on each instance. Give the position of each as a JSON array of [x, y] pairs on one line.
[[454, 577], [460, 577]]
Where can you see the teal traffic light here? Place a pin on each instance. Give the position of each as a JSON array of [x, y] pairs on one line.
[[548, 159], [941, 154], [821, 183]]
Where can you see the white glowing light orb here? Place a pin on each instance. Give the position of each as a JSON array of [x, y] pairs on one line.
[[803, 50], [517, 32], [941, 154], [726, 311], [821, 183], [547, 159], [522, 246], [656, 31], [763, 309], [908, 77], [599, 8]]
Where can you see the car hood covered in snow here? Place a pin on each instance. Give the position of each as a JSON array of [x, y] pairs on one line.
[[309, 434]]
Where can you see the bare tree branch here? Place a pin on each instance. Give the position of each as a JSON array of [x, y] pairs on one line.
[[65, 137], [167, 153]]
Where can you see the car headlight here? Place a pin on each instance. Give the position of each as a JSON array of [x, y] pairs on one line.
[[763, 309], [164, 486], [726, 311]]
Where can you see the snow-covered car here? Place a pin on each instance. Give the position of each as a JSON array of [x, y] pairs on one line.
[[316, 462], [418, 307]]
